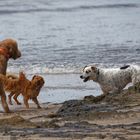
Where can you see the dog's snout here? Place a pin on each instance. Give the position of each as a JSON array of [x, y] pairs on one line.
[[81, 76], [19, 54]]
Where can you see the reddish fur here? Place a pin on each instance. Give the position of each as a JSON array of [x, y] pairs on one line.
[[10, 50], [29, 89]]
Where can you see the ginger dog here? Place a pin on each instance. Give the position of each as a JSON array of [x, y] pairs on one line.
[[31, 90], [8, 50], [21, 85]]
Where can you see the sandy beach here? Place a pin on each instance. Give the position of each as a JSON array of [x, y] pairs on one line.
[[92, 118], [57, 38]]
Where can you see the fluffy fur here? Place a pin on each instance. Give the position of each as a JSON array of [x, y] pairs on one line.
[[112, 80], [21, 85], [8, 50]]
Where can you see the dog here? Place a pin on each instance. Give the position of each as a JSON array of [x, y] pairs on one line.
[[12, 83], [112, 80], [8, 50], [29, 89]]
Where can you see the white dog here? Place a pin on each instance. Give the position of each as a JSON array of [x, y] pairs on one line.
[[112, 80]]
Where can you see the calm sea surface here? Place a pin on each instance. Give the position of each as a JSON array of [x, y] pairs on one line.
[[62, 36]]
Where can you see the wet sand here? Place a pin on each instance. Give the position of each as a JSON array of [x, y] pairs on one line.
[[92, 118]]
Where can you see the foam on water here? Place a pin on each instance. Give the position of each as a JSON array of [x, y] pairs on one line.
[[44, 70], [30, 70]]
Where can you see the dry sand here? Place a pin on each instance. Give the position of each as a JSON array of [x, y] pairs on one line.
[[105, 117]]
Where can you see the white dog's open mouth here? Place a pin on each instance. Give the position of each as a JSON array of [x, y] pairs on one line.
[[86, 79]]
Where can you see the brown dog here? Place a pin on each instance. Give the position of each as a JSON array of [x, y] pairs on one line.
[[12, 84], [32, 91], [29, 89], [8, 49]]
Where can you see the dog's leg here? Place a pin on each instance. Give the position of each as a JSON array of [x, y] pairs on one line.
[[15, 98], [36, 102], [9, 98], [26, 102], [3, 100]]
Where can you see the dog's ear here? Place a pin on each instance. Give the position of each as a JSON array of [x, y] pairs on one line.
[[94, 68], [84, 67], [34, 77]]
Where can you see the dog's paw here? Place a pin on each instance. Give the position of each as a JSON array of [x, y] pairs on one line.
[[19, 103], [39, 107]]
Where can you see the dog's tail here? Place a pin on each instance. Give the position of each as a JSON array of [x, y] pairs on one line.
[[22, 76], [13, 76], [11, 81], [124, 67]]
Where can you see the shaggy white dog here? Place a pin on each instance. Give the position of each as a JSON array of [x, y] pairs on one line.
[[112, 80]]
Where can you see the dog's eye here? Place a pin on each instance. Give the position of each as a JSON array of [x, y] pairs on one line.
[[88, 71]]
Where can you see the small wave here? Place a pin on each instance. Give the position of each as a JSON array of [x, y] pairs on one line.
[[70, 9], [44, 70], [62, 70], [37, 69], [110, 6]]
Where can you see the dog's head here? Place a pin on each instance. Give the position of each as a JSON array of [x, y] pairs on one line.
[[37, 81], [89, 73], [12, 48]]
